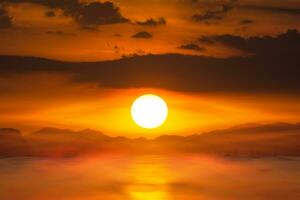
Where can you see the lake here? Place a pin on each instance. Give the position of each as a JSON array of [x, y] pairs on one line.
[[149, 177]]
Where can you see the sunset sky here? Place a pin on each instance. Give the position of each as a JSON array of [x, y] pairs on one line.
[[216, 63], [94, 30]]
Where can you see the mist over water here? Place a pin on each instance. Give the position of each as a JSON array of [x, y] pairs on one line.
[[151, 177]]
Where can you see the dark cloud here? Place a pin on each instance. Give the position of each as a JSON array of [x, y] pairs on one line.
[[86, 14], [142, 35], [5, 19], [191, 46], [189, 1], [234, 41], [152, 22], [59, 33], [207, 16], [97, 13], [65, 5], [118, 35], [215, 15], [55, 32], [292, 11], [89, 28], [50, 13], [283, 44], [246, 21], [272, 68]]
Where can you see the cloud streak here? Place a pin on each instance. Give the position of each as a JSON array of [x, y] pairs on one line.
[[215, 15], [5, 19], [272, 68], [142, 35], [291, 11], [152, 22], [283, 45], [191, 46], [85, 14]]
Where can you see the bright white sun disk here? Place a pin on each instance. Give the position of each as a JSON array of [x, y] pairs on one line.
[[149, 111]]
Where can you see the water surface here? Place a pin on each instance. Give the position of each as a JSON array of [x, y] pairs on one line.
[[123, 177]]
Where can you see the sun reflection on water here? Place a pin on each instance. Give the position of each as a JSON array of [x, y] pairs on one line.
[[150, 177]]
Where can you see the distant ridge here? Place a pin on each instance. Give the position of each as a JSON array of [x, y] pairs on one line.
[[244, 140], [257, 128], [12, 143], [10, 131], [62, 134]]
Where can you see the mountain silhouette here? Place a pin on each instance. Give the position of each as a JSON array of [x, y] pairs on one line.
[[12, 143], [278, 139], [66, 134]]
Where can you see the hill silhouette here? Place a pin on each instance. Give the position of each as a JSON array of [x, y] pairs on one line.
[[12, 143], [278, 139]]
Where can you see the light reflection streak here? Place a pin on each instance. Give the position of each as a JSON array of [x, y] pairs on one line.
[[150, 177]]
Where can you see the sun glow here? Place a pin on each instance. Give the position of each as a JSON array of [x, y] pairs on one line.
[[149, 111]]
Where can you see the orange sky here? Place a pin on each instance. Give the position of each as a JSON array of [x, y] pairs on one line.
[[34, 99], [60, 37], [57, 103]]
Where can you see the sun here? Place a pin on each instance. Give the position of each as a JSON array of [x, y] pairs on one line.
[[149, 111]]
